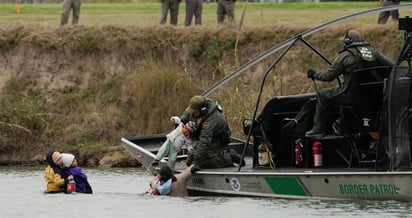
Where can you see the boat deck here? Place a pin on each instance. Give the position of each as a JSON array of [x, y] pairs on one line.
[[248, 168], [145, 148]]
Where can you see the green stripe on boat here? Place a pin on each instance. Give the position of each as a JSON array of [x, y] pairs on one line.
[[285, 186]]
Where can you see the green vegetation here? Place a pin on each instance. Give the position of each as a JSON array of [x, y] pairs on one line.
[[80, 89], [147, 14]]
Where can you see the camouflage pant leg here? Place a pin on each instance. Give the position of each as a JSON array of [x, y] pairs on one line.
[[218, 160], [322, 113]]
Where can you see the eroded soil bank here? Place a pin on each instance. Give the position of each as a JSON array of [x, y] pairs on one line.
[[81, 89]]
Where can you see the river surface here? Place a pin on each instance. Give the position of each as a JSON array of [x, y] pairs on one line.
[[120, 193]]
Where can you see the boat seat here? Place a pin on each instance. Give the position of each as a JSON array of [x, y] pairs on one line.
[[350, 101], [355, 92]]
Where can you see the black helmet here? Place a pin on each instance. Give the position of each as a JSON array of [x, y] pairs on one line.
[[352, 36]]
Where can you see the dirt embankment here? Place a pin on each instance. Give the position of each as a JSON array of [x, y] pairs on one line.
[[81, 89]]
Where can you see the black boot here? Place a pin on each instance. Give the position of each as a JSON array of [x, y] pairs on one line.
[[236, 158]]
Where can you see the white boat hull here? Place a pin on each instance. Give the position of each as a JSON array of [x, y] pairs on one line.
[[294, 183]]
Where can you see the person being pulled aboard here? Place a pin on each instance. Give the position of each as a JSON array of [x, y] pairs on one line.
[[356, 54], [175, 140], [167, 183], [213, 135]]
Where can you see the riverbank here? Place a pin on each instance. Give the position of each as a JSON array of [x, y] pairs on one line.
[[80, 89]]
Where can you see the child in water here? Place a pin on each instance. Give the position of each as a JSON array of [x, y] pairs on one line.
[[70, 168]]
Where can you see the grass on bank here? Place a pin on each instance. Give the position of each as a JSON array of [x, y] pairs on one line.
[[147, 14], [94, 117]]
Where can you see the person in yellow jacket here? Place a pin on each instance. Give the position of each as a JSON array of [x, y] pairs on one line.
[[53, 173]]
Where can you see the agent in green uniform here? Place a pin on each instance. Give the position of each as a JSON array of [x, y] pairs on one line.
[[212, 137], [357, 54]]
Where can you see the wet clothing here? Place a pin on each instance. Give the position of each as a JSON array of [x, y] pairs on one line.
[[53, 176], [179, 184], [225, 8], [384, 15], [179, 187], [193, 8], [55, 182], [355, 56], [175, 140], [211, 139], [173, 7], [82, 185], [67, 6]]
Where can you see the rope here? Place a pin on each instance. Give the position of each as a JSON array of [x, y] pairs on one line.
[[271, 162]]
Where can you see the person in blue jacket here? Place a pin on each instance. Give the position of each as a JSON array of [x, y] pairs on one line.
[[70, 168]]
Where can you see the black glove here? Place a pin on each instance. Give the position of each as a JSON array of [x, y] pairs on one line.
[[311, 74]]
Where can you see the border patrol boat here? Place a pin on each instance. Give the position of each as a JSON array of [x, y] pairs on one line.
[[371, 161]]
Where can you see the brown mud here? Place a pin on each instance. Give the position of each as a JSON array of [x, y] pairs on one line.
[[81, 89]]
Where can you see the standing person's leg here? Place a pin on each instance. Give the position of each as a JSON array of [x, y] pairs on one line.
[[230, 10], [394, 15], [384, 15], [164, 8], [174, 11], [189, 12], [198, 12], [220, 11], [76, 11], [65, 12]]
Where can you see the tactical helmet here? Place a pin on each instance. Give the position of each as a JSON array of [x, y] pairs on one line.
[[352, 36]]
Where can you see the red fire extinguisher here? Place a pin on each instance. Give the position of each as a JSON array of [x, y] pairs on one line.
[[298, 152], [317, 154]]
